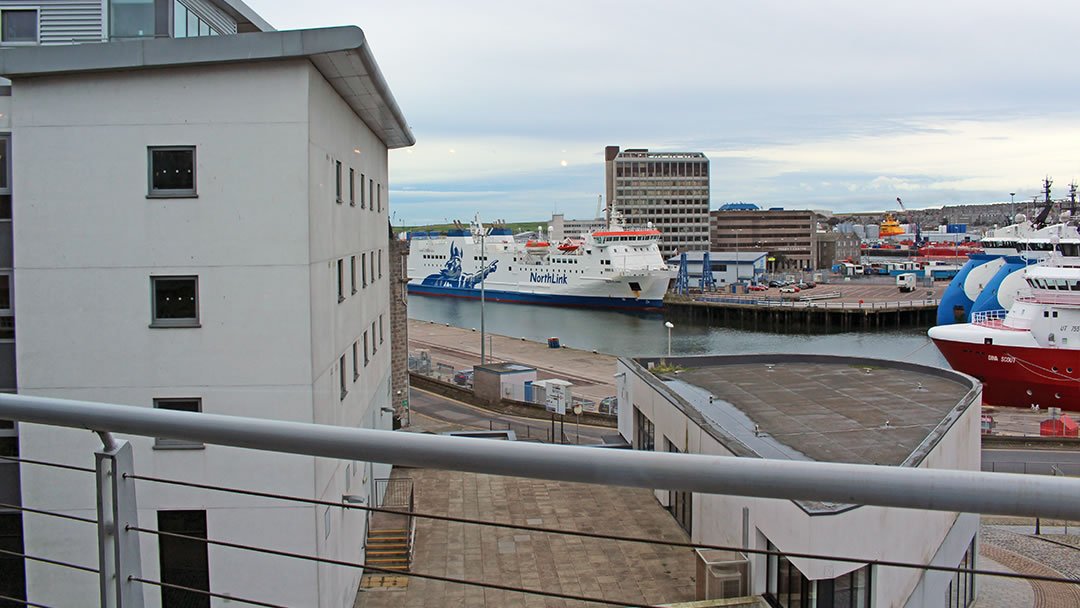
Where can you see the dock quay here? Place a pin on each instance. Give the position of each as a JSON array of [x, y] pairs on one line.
[[826, 309]]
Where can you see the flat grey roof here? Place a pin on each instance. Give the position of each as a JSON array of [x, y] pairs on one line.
[[829, 409], [341, 55]]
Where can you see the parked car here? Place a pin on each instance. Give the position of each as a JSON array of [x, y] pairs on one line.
[[757, 288], [789, 289], [775, 283], [811, 285], [464, 377]]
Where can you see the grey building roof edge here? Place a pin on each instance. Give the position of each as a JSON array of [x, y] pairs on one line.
[[241, 11], [638, 366], [318, 45]]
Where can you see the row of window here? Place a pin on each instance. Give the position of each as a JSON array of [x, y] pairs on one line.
[[360, 348], [370, 197], [186, 24], [661, 169], [368, 260]]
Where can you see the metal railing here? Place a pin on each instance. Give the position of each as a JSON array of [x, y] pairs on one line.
[[118, 526], [398, 494], [792, 303]]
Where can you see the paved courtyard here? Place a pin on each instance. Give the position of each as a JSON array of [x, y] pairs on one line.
[[631, 572]]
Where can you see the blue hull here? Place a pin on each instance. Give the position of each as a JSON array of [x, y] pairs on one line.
[[988, 299], [955, 297], [494, 295]]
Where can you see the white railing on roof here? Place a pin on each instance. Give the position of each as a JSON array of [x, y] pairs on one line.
[[988, 316]]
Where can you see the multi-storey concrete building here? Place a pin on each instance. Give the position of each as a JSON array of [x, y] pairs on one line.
[[786, 234], [30, 23], [560, 228], [215, 210], [670, 190], [835, 246]]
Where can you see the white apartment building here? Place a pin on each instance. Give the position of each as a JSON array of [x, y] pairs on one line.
[[201, 224], [670, 190], [827, 409], [560, 228]]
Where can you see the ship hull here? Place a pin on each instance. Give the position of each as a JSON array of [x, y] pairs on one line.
[[1018, 376], [544, 299]]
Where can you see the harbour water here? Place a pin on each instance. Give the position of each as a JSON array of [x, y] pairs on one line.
[[642, 334]]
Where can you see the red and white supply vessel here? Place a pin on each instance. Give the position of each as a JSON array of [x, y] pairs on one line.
[[1030, 354]]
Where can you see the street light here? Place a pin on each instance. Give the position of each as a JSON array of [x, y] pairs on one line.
[[1012, 207], [668, 325], [737, 230]]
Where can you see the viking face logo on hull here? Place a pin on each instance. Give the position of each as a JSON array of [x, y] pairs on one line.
[[451, 275]]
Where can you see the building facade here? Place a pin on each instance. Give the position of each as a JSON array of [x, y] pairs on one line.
[[669, 190], [65, 22], [560, 228], [219, 221], [778, 407], [786, 234], [835, 246]]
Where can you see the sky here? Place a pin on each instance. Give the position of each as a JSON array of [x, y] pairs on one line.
[[838, 105]]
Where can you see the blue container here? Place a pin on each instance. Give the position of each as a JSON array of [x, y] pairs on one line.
[[553, 343], [956, 228]]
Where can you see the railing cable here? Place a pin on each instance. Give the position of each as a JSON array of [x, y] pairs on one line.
[[49, 561], [227, 598], [49, 513], [8, 598], [434, 577], [48, 464], [599, 536]]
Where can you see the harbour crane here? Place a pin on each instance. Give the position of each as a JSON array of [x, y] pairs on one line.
[[911, 222]]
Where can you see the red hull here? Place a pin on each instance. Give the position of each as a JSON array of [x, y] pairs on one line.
[[1019, 376]]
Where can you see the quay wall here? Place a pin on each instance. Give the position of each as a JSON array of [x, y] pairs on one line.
[[812, 317]]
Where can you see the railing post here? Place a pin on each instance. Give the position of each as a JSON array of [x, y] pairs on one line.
[[118, 547]]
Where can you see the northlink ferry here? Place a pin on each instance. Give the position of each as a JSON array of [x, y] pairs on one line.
[[613, 268]]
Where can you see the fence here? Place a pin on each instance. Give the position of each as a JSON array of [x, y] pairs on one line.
[[791, 303], [119, 530]]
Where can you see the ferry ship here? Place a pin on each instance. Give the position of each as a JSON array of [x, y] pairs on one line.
[[1029, 355], [613, 268]]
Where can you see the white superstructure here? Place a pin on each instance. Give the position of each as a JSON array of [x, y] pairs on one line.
[[612, 268]]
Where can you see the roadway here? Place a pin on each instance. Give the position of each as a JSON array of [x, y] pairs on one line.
[[434, 413], [1031, 461]]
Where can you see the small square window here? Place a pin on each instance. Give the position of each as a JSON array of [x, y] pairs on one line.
[[19, 26], [172, 171], [175, 301], [180, 404]]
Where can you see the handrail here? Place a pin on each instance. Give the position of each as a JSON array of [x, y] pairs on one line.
[[903, 487]]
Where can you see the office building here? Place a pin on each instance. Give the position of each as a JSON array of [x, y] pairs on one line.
[[786, 234], [669, 190], [560, 228], [201, 224]]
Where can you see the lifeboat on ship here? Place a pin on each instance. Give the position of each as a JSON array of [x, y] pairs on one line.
[[568, 246], [538, 248]]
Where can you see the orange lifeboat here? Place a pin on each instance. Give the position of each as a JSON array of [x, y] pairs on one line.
[[537, 248], [567, 246]]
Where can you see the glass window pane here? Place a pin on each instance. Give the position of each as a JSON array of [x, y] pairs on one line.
[[204, 28], [175, 298], [192, 24], [179, 20], [213, 32], [172, 170], [4, 161], [19, 25], [7, 328], [5, 292], [132, 18]]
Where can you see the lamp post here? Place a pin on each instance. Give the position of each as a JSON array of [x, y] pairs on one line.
[[737, 230], [668, 325], [1012, 207], [483, 272]]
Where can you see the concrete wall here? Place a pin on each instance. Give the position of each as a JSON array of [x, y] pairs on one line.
[[263, 236], [873, 532]]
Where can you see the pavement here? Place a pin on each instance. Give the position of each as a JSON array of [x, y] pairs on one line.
[[611, 570], [1009, 544]]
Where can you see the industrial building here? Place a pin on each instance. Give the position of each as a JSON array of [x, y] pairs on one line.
[[669, 190], [200, 224], [827, 409]]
